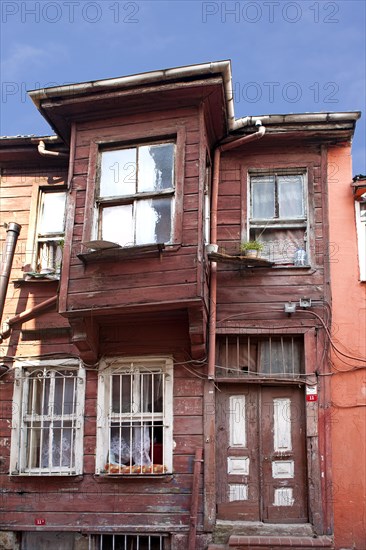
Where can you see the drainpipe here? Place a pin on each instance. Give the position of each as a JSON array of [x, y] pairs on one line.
[[13, 230], [213, 238], [24, 316], [45, 153]]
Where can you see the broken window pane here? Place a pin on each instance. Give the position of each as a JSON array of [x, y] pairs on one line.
[[118, 173], [155, 167], [153, 221]]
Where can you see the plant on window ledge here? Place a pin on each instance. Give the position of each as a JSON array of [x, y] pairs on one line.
[[251, 249]]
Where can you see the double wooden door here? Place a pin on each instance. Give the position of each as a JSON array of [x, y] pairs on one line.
[[261, 460]]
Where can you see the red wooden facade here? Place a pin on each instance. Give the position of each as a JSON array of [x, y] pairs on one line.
[[249, 389]]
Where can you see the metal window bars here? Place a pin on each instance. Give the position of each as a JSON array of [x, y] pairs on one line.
[[49, 421]]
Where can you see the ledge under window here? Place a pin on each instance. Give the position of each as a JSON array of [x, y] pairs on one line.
[[118, 252], [239, 260]]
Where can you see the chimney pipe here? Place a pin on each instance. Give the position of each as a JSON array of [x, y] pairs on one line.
[[13, 230]]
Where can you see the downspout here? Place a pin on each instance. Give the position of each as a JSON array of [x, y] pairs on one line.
[[13, 230], [24, 316], [213, 238], [45, 153]]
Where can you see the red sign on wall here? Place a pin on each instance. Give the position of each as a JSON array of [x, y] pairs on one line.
[[312, 397], [39, 521]]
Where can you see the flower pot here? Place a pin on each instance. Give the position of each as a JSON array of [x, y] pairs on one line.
[[252, 253]]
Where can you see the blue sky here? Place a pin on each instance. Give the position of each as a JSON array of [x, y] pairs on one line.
[[300, 56]]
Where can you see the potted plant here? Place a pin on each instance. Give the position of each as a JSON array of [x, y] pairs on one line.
[[251, 249]]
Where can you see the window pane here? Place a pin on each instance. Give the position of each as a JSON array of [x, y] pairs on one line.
[[280, 245], [52, 214], [153, 221], [65, 394], [282, 356], [38, 394], [263, 197], [155, 167], [117, 224], [290, 197], [118, 173]]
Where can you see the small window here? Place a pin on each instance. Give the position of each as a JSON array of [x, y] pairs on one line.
[[50, 231], [246, 356], [135, 203], [48, 419], [128, 542], [135, 432], [361, 236], [278, 217]]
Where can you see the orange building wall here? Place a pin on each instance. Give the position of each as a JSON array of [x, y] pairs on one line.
[[348, 388]]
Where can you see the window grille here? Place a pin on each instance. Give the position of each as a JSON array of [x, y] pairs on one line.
[[128, 542], [244, 356], [136, 435], [50, 402]]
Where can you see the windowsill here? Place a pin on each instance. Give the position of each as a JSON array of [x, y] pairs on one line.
[[22, 476], [28, 279], [120, 253], [244, 261], [100, 478]]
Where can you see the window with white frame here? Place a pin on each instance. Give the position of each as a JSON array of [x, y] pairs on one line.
[[278, 216], [135, 200], [50, 230], [361, 236], [135, 428], [47, 437]]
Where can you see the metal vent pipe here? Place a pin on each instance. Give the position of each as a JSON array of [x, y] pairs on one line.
[[13, 230]]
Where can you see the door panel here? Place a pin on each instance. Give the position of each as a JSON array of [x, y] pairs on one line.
[[261, 468], [237, 438], [283, 454]]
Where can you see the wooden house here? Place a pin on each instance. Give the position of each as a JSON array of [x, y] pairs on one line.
[[159, 388]]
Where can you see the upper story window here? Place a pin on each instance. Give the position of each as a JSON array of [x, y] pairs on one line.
[[135, 201], [48, 406], [50, 230], [135, 426], [278, 216]]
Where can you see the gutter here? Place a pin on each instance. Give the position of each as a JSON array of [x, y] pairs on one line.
[[46, 153]]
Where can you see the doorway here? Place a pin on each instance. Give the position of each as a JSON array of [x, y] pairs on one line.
[[261, 453]]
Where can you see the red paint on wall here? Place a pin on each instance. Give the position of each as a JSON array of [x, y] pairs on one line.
[[348, 388]]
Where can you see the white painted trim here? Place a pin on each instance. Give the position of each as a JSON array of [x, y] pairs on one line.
[[18, 437], [361, 239], [106, 368], [237, 421], [282, 424]]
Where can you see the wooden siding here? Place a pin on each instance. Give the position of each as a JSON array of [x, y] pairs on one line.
[[261, 293], [93, 502]]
